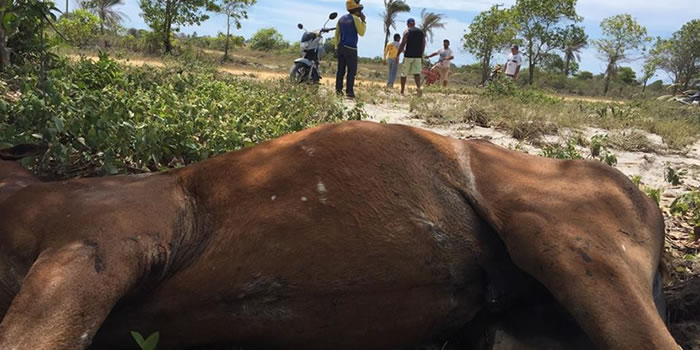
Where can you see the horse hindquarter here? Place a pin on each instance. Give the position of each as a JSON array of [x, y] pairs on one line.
[[584, 231]]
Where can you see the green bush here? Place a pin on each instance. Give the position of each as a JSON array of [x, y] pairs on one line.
[[79, 27], [673, 176], [689, 205], [507, 88], [559, 151], [599, 148], [267, 39], [102, 118], [654, 194]]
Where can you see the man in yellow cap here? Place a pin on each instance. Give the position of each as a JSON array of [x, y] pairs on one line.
[[348, 29]]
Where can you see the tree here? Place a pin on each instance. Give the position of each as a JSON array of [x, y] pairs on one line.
[[431, 21], [585, 75], [539, 20], [391, 9], [267, 39], [622, 36], [553, 63], [163, 16], [651, 65], [80, 27], [489, 31], [22, 25], [106, 11], [626, 75], [573, 40], [679, 56], [235, 11]]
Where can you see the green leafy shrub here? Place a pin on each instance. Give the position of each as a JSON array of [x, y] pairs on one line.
[[79, 27], [507, 88], [559, 151], [599, 150], [267, 39], [501, 87], [654, 193], [637, 180], [673, 176], [688, 204], [102, 118]]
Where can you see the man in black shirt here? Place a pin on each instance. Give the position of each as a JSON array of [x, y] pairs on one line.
[[413, 48]]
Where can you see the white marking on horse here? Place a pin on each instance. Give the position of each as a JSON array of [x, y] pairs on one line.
[[321, 188], [624, 249], [273, 198], [308, 150], [304, 199]]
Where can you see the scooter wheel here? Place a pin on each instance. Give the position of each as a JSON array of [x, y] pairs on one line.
[[299, 73]]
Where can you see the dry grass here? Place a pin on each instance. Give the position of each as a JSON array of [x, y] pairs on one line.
[[678, 126]]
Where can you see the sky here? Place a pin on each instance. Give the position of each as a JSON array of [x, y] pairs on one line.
[[661, 18]]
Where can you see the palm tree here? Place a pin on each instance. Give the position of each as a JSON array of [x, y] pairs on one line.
[[105, 10], [430, 21], [391, 9], [574, 40]]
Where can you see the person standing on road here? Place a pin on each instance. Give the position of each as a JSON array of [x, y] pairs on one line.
[[515, 60], [413, 48], [391, 57], [348, 29], [445, 62]]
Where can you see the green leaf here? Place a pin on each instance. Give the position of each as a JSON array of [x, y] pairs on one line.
[[7, 19], [152, 342], [138, 338]]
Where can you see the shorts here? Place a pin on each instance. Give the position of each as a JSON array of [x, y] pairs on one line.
[[411, 66], [444, 73]]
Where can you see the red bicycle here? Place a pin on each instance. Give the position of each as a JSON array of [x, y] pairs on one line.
[[431, 74]]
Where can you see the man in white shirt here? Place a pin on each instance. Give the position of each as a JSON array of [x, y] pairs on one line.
[[515, 60], [445, 62]]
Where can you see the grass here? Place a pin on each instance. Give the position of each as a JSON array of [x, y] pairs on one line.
[[678, 126], [525, 114], [633, 141]]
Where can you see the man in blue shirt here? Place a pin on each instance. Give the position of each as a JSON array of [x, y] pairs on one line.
[[348, 29]]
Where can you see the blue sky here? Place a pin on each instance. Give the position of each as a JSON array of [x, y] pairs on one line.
[[661, 18]]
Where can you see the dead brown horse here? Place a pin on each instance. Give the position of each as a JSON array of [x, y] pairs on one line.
[[348, 236]]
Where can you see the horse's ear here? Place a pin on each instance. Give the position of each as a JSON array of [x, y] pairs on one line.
[[22, 151]]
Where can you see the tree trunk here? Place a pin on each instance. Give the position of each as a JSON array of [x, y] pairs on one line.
[[4, 37], [485, 66], [102, 32], [4, 51], [386, 39], [567, 63], [532, 62], [607, 80], [166, 38], [167, 26], [228, 36], [644, 88]]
